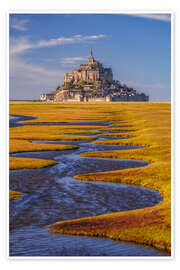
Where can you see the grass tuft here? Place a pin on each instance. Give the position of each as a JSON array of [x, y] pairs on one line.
[[14, 195], [19, 163]]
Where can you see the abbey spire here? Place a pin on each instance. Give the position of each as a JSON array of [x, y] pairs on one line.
[[91, 58], [91, 54]]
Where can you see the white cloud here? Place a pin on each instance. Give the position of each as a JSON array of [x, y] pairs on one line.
[[56, 41], [28, 81], [18, 24], [66, 40], [95, 36], [160, 17], [22, 44], [72, 60]]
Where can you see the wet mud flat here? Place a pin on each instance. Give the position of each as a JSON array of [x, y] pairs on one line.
[[51, 194]]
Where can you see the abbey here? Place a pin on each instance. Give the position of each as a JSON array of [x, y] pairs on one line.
[[94, 83], [93, 72]]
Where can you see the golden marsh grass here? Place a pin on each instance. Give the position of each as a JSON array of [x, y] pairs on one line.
[[48, 133], [14, 195], [19, 163], [150, 127]]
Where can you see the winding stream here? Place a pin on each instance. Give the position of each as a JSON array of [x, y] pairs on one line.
[[51, 194]]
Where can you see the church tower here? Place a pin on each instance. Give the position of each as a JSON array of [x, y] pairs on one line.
[[91, 58]]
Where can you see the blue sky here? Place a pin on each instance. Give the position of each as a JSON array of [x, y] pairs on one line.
[[43, 47]]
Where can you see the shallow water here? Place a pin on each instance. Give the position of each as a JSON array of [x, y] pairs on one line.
[[51, 194], [36, 241]]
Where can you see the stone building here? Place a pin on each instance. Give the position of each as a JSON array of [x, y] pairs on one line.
[[92, 83], [90, 73]]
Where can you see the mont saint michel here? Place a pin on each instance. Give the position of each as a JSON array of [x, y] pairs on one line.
[[90, 162], [92, 83]]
